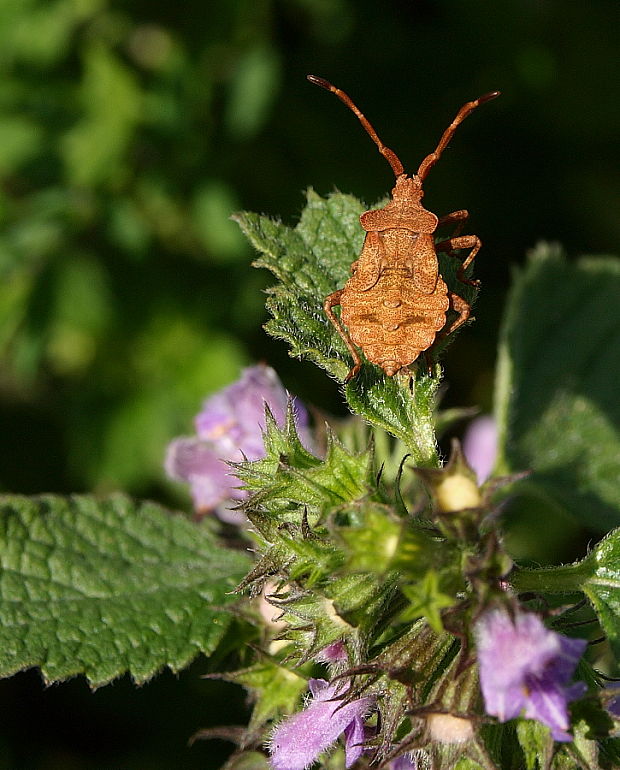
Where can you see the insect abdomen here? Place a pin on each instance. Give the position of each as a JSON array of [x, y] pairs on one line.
[[393, 321]]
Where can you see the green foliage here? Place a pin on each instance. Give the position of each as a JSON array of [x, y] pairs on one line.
[[310, 261], [290, 477], [114, 218], [556, 402], [597, 575], [427, 600], [104, 587]]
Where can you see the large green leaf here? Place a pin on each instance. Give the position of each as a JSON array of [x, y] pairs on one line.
[[557, 396], [104, 587]]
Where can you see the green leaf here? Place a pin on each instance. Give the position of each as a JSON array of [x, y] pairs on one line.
[[403, 406], [556, 394], [104, 587], [310, 261]]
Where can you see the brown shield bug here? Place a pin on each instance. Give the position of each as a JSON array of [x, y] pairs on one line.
[[394, 305]]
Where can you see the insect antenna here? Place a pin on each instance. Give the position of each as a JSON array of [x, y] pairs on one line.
[[389, 155], [447, 135]]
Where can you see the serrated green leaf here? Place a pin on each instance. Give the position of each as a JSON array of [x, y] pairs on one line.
[[403, 406], [310, 261], [104, 587], [556, 395]]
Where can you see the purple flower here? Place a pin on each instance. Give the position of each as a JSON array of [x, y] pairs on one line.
[[480, 446], [230, 428], [404, 762], [525, 668], [297, 741], [613, 705], [334, 653]]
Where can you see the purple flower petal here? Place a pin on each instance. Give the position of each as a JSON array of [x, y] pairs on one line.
[[230, 428], [354, 741], [336, 652], [480, 446], [613, 706], [404, 762], [210, 479], [298, 741], [233, 419], [546, 702], [525, 667]]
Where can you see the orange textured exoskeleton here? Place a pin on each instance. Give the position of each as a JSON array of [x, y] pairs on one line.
[[394, 305]]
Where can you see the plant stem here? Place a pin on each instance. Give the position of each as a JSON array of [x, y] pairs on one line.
[[566, 578]]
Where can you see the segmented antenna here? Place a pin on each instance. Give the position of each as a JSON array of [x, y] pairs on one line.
[[447, 135], [389, 155]]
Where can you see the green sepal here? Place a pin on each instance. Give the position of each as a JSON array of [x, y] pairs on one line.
[[294, 558], [314, 624], [536, 743], [471, 755], [378, 541], [427, 600], [348, 609], [275, 690], [289, 477], [403, 673], [282, 447], [313, 560], [362, 601], [581, 753], [340, 478]]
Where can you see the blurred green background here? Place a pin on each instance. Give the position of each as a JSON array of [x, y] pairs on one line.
[[130, 131]]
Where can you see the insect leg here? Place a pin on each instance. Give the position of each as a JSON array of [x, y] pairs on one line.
[[462, 242], [329, 304], [462, 307], [458, 217]]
